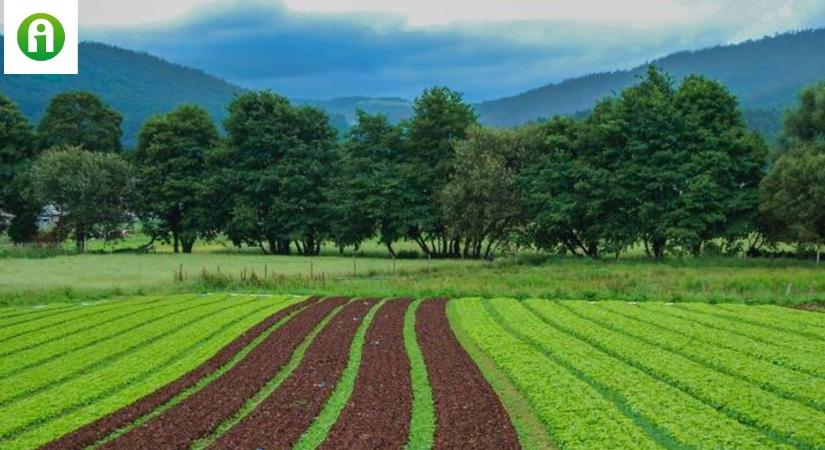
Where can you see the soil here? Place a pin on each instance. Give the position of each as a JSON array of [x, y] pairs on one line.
[[469, 414], [378, 413], [284, 416], [204, 411], [99, 429]]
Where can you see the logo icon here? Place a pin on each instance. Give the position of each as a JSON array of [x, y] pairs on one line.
[[47, 37], [41, 37]]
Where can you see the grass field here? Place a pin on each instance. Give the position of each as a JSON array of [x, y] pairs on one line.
[[569, 374]]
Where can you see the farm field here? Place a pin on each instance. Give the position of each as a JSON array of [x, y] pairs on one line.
[[280, 371]]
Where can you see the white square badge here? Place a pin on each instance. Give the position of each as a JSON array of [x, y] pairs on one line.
[[40, 37]]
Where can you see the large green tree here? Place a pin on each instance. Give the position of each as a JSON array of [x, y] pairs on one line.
[[792, 196], [16, 154], [171, 164], [91, 192], [274, 174], [573, 195], [441, 118], [482, 204], [80, 119], [368, 192]]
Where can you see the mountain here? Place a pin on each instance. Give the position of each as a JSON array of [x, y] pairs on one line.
[[765, 74], [136, 84]]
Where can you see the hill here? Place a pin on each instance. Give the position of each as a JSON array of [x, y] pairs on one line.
[[136, 84], [765, 74]]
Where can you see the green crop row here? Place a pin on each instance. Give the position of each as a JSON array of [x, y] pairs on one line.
[[422, 422], [64, 368], [34, 340], [765, 319], [54, 344], [56, 318], [317, 432], [48, 415], [674, 418], [785, 382], [792, 342], [783, 420], [785, 315], [577, 415], [662, 315]]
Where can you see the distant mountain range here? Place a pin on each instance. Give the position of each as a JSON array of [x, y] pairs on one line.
[[766, 74]]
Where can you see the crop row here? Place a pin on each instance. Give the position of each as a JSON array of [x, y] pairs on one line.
[[783, 420], [763, 318], [36, 419], [67, 341], [790, 342], [782, 381], [576, 414], [42, 377], [663, 315]]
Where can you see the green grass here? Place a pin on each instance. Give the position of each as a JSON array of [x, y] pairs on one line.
[[68, 279], [422, 423], [317, 432], [46, 402]]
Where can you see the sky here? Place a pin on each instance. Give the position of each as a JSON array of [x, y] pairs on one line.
[[483, 48]]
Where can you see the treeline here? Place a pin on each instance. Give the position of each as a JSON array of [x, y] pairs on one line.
[[673, 168]]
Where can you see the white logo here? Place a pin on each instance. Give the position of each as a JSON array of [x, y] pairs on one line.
[[40, 37]]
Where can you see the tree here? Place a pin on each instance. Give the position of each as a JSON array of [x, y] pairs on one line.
[[441, 118], [171, 165], [275, 174], [16, 154], [90, 191], [80, 119], [572, 193], [368, 190], [723, 168], [805, 124], [793, 195], [482, 205]]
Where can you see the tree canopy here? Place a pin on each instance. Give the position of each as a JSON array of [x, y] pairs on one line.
[[80, 119]]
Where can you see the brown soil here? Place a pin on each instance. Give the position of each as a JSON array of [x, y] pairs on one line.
[[204, 411], [468, 413], [99, 429], [378, 413], [283, 417]]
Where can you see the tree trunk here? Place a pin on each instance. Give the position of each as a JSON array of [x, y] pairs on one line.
[[390, 249], [80, 240], [176, 240], [188, 244], [658, 245]]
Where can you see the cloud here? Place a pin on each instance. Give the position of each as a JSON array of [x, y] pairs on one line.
[[371, 47]]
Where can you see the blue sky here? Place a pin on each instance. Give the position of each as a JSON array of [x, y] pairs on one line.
[[484, 48]]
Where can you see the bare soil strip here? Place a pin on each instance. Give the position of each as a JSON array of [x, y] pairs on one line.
[[282, 418], [378, 413], [202, 412], [468, 412], [99, 429]]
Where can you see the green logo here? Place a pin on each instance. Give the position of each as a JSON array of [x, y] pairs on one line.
[[41, 37]]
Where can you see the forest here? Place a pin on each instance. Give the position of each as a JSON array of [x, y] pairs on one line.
[[666, 166]]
